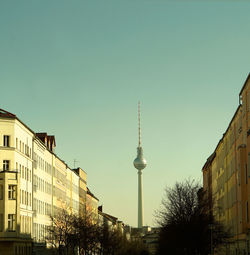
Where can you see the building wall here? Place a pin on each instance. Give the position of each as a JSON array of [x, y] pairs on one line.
[[59, 186], [42, 190], [230, 171], [82, 190], [72, 192], [16, 187], [36, 184], [43, 184], [92, 206]]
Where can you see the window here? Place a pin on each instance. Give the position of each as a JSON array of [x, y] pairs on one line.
[[6, 165], [247, 217], [11, 222], [1, 192], [12, 192], [16, 143], [1, 222], [22, 196], [21, 223], [246, 174], [6, 140]]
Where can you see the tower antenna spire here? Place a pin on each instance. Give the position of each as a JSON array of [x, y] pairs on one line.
[[139, 123]]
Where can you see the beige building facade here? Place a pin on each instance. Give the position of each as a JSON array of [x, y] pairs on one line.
[[226, 177], [72, 191], [82, 190]]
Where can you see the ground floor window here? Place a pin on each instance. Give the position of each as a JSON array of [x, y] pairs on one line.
[[1, 222]]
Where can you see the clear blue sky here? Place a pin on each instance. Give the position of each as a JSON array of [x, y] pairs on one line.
[[77, 69]]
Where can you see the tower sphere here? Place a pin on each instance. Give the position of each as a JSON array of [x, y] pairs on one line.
[[140, 162]]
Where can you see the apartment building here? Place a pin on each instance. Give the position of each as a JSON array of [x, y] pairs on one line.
[[15, 185], [82, 190], [34, 185], [92, 206], [73, 195], [42, 189], [226, 176]]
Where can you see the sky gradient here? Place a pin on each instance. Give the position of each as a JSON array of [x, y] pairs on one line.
[[77, 69]]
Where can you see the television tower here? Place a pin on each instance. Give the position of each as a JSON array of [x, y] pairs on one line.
[[140, 163]]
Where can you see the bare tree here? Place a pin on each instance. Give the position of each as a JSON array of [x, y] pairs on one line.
[[86, 234], [60, 232], [186, 220], [72, 234], [111, 240]]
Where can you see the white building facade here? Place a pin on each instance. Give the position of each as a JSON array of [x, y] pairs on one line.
[[34, 184]]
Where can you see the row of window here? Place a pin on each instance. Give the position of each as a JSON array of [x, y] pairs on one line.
[[26, 198], [40, 232], [24, 148], [42, 185], [42, 164], [25, 172], [12, 192], [58, 193], [73, 187], [42, 207], [72, 203], [23, 250], [60, 176], [25, 224]]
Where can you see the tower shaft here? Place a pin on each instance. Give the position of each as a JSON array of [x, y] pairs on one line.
[[140, 200]]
